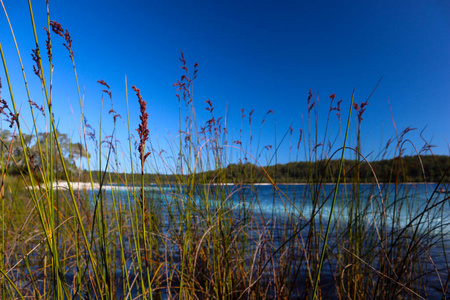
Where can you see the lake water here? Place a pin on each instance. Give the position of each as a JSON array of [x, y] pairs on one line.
[[415, 215]]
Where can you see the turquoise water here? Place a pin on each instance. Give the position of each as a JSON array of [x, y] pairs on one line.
[[401, 203]]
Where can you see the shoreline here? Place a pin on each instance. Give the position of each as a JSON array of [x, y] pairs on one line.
[[76, 185]]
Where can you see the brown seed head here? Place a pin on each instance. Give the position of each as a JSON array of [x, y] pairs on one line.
[[102, 82], [142, 129], [36, 58], [332, 96], [48, 44], [57, 28], [68, 43], [310, 105]]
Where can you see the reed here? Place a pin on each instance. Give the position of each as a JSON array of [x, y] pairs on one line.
[[192, 222]]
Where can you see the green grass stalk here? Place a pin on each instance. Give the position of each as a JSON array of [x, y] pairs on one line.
[[52, 124], [324, 247]]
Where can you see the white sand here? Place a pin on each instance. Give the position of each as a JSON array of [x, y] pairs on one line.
[[62, 185]]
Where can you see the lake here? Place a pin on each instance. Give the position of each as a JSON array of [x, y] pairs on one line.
[[396, 234]]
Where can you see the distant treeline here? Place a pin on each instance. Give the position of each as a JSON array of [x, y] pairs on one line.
[[404, 169]]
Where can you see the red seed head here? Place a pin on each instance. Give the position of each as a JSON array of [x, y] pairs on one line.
[[332, 96], [142, 129]]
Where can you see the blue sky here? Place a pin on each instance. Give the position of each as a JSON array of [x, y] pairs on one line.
[[261, 55]]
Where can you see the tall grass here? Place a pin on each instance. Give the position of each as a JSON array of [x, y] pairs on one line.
[[187, 233]]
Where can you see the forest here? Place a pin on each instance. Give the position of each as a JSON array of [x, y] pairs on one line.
[[429, 168]]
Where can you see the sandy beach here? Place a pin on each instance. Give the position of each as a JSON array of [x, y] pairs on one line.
[[62, 185]]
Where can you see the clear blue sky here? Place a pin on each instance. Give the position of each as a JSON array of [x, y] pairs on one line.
[[261, 55]]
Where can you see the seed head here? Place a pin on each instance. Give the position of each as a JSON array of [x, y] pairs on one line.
[[48, 44], [332, 96], [57, 28], [36, 58], [142, 129]]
